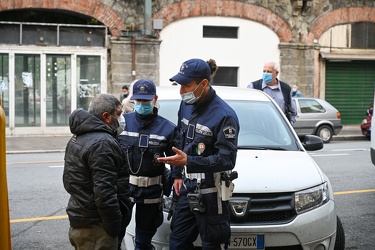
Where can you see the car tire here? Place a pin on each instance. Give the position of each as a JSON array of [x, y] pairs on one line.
[[325, 133], [340, 236]]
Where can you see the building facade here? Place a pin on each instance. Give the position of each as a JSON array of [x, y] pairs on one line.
[[48, 69]]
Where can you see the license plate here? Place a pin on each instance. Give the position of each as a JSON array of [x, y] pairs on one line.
[[244, 241]]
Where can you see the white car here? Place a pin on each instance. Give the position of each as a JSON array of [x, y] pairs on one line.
[[281, 199]]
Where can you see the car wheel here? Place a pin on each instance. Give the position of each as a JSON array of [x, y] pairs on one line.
[[325, 133], [340, 236]]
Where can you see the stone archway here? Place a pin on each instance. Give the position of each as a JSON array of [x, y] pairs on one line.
[[93, 8], [255, 13], [339, 16]]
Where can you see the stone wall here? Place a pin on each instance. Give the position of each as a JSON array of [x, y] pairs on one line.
[[298, 23], [144, 63]]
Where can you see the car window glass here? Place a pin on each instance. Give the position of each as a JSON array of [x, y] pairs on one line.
[[261, 124], [169, 109], [310, 106]]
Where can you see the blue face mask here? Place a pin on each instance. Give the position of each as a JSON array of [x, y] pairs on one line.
[[267, 77], [143, 108]]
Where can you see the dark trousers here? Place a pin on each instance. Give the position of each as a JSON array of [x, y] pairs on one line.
[[213, 228], [148, 217]]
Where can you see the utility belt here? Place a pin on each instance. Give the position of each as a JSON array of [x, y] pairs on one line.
[[144, 181], [223, 186], [146, 201], [207, 178], [197, 176]]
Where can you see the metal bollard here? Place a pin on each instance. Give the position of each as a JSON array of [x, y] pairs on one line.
[[5, 238]]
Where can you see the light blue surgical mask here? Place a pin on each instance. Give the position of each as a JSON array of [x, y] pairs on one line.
[[189, 98], [267, 77], [143, 108]]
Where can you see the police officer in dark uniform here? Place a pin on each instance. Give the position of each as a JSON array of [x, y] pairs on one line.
[[146, 137], [207, 145]]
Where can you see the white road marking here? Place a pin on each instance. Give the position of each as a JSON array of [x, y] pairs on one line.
[[330, 155], [351, 149]]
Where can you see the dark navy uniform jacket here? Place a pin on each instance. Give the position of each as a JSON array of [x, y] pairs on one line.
[[144, 139], [208, 135]]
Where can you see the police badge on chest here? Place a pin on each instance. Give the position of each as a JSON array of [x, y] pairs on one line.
[[200, 149]]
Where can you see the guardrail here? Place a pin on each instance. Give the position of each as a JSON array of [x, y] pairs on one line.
[[5, 238]]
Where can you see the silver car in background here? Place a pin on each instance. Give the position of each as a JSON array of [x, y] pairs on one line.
[[316, 117], [281, 199]]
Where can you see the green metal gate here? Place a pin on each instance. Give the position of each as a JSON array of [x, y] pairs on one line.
[[350, 88]]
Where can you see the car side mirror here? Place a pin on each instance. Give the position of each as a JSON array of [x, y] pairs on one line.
[[312, 143]]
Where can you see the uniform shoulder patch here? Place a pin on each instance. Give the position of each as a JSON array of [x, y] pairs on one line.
[[229, 132]]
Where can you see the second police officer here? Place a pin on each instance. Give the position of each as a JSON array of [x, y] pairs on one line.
[[208, 143], [146, 137]]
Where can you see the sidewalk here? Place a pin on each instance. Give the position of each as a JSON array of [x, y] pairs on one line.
[[44, 144], [36, 144]]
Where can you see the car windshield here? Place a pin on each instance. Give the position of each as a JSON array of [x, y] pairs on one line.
[[261, 125]]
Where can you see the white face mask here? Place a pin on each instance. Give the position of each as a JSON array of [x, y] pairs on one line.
[[120, 126], [189, 98], [121, 123]]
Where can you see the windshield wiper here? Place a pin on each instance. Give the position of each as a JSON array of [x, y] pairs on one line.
[[262, 147]]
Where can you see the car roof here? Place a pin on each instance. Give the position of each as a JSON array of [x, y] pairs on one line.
[[225, 93], [305, 97]]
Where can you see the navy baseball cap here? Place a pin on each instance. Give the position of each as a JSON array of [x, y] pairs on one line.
[[190, 70], [143, 90]]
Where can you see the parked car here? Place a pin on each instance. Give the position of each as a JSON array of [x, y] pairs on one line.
[[366, 126], [372, 137], [281, 199], [317, 117]]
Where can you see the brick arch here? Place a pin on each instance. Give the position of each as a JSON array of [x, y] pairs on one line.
[[91, 8], [339, 16], [255, 13]]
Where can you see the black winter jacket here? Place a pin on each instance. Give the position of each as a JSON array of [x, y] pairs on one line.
[[95, 175]]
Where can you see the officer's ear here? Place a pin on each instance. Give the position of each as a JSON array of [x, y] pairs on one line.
[[205, 83]]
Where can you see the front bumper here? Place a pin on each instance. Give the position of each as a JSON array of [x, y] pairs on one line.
[[309, 230]]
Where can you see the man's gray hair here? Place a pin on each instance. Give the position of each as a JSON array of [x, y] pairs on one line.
[[103, 103], [275, 65]]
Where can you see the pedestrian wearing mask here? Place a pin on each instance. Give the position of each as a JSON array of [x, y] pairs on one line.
[[296, 92], [146, 137], [96, 177], [278, 90], [207, 145], [124, 92]]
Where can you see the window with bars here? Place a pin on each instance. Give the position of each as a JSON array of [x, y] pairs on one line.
[[53, 34], [363, 35], [226, 76], [220, 32]]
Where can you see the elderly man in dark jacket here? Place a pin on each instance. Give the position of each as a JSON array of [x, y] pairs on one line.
[[96, 177]]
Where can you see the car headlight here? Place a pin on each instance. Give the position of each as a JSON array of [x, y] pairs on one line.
[[311, 198]]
